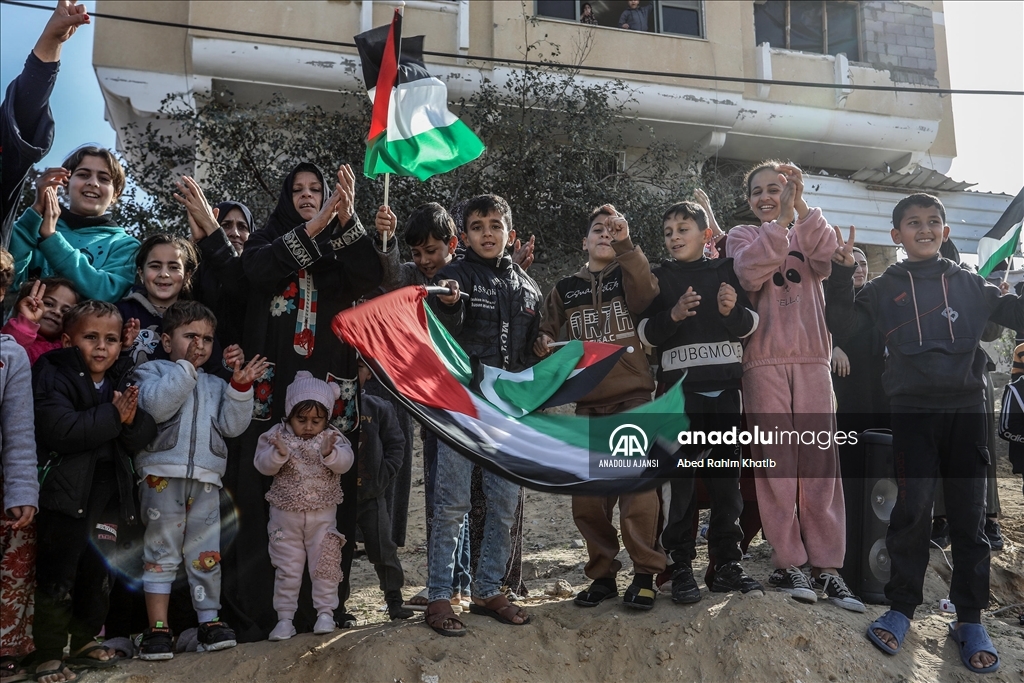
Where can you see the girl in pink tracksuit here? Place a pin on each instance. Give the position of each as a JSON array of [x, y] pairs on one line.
[[787, 385], [306, 456]]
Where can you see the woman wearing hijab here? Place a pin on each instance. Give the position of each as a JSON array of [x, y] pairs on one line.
[[310, 261]]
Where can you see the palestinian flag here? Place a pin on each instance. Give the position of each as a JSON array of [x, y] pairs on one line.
[[1001, 242], [487, 414], [411, 132]]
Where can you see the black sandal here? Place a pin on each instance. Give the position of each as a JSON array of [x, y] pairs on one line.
[[595, 595], [82, 660]]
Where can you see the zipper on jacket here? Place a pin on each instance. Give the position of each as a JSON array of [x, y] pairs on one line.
[[192, 438]]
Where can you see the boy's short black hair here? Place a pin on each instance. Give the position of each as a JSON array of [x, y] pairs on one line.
[[50, 283], [186, 312], [426, 221], [920, 199], [303, 407], [117, 178], [484, 204], [90, 308], [189, 255], [6, 269], [603, 210], [684, 210]]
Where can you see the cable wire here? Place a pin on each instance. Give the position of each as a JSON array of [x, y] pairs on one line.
[[548, 65]]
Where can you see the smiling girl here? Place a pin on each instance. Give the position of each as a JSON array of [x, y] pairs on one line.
[[163, 266], [787, 384], [39, 314], [84, 245]]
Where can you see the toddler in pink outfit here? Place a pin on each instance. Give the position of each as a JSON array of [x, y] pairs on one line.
[[306, 456]]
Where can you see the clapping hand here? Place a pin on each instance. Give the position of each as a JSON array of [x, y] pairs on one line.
[[129, 332], [51, 212], [684, 307], [202, 218], [251, 371], [330, 439], [126, 403], [726, 298]]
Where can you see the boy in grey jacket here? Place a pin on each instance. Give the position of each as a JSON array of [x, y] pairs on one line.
[[181, 471]]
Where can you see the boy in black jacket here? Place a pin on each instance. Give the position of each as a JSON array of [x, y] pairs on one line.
[[700, 344], [497, 324], [932, 313], [381, 452], [88, 425]]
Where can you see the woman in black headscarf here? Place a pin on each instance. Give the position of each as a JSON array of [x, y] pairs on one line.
[[310, 261]]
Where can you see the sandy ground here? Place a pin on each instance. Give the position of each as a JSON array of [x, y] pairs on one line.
[[723, 637]]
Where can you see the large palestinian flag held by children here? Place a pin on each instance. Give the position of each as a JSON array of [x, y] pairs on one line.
[[488, 415], [412, 132]]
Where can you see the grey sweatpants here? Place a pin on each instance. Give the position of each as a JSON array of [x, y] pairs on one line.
[[182, 518]]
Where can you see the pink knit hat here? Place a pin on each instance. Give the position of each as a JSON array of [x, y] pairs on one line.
[[306, 387]]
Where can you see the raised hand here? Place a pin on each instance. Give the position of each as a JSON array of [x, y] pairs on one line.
[[347, 188], [192, 354], [51, 177], [843, 255], [202, 218], [51, 212], [126, 403], [129, 332], [726, 298], [277, 441], [795, 179], [541, 347], [522, 255], [684, 307], [66, 18], [326, 213], [386, 223], [251, 371], [233, 355], [330, 439], [31, 307], [705, 203]]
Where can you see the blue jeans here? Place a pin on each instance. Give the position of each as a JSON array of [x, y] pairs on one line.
[[451, 504], [460, 576]]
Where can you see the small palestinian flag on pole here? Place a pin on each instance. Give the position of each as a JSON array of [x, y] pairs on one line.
[[412, 133], [1001, 242], [489, 415]]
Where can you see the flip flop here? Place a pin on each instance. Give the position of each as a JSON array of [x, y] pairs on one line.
[[425, 594], [972, 639], [895, 623], [639, 598], [499, 613], [81, 660], [61, 669]]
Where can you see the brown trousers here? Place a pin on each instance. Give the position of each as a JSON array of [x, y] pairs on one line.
[[638, 519]]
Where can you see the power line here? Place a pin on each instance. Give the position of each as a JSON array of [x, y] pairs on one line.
[[548, 65]]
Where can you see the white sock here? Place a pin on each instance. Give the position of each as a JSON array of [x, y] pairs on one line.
[[206, 615]]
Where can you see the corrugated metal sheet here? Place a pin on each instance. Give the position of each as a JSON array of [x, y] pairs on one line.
[[923, 179], [847, 202]]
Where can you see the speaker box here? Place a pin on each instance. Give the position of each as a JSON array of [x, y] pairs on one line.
[[879, 497]]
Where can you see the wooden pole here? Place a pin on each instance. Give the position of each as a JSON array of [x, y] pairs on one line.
[[387, 186]]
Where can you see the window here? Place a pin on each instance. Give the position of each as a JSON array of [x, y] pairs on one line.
[[678, 17], [826, 27]]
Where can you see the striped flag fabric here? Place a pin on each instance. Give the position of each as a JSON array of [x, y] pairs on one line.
[[412, 132], [416, 359], [1001, 242]]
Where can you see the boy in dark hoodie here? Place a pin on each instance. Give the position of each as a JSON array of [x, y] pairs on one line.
[[381, 452], [932, 313], [88, 426], [602, 302], [700, 344]]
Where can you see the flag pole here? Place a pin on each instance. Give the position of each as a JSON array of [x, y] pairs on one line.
[[387, 185]]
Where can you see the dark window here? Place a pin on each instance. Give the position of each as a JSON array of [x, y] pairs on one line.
[[680, 17], [823, 26]]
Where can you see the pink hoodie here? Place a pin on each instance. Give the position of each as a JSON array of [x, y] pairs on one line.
[[782, 271], [26, 333]]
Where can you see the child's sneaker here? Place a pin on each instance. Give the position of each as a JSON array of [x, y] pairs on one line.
[[283, 631], [794, 582], [156, 643], [215, 635], [685, 590], [835, 589], [324, 624], [730, 577]]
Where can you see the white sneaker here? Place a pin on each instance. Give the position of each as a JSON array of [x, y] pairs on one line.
[[794, 582], [284, 630], [835, 589], [324, 624]]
